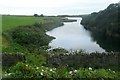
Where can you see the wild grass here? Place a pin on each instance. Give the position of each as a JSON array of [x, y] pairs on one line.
[[9, 22]]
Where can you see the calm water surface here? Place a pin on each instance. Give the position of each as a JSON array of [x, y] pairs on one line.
[[72, 35]]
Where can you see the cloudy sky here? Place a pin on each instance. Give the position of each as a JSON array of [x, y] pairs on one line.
[[52, 7]]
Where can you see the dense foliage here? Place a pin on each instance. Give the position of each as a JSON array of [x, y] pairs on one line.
[[105, 22], [21, 70], [30, 36]]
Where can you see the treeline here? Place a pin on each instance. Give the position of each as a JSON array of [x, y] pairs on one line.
[[36, 15], [105, 22]]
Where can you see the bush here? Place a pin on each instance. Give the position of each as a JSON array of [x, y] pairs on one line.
[[30, 36]]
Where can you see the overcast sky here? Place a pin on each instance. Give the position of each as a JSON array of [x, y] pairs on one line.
[[52, 7]]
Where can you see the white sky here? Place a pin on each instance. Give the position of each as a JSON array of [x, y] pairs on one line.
[[52, 7]]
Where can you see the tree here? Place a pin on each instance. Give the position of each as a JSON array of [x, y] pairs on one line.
[[36, 15], [41, 15]]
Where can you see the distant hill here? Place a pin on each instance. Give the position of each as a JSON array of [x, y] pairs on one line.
[[105, 22]]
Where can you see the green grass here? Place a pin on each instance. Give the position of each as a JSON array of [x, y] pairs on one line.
[[9, 22]]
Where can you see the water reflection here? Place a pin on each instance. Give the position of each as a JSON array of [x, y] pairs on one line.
[[107, 43], [73, 36]]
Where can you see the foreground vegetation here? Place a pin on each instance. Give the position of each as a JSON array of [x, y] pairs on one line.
[[26, 66], [26, 55], [22, 70]]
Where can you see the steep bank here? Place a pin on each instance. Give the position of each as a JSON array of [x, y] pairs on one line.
[[105, 22]]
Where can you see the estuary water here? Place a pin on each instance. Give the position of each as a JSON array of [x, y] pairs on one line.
[[73, 36]]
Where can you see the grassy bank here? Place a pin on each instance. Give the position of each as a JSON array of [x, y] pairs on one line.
[[25, 53], [12, 23]]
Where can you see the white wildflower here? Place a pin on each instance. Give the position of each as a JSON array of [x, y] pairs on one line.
[[37, 67], [51, 70], [90, 68], [113, 71], [75, 71], [9, 74], [70, 72], [42, 70], [6, 74], [26, 65], [109, 69], [41, 73]]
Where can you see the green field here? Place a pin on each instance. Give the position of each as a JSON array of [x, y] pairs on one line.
[[9, 22]]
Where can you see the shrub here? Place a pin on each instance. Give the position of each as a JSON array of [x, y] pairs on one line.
[[30, 36], [22, 70]]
